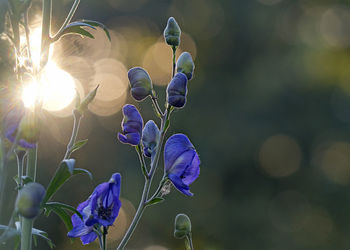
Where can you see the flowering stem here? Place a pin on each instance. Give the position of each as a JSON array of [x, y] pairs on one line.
[[174, 60], [156, 105], [148, 182], [76, 124], [27, 224], [104, 240], [142, 160]]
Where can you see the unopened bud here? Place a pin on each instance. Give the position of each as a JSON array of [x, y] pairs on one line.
[[83, 106], [177, 91], [185, 65], [150, 138], [172, 33], [182, 226], [29, 199], [141, 83]]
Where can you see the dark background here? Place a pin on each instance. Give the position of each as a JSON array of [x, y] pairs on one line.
[[268, 111]]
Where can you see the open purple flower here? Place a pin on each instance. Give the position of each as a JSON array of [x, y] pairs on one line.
[[101, 209], [181, 162], [132, 125]]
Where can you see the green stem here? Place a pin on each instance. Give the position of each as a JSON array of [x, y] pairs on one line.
[[142, 160], [45, 33], [159, 189], [104, 238], [68, 18], [27, 31], [27, 224], [189, 244], [76, 124], [148, 182], [174, 60], [156, 106]]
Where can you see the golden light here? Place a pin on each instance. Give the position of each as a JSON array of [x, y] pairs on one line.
[[55, 88]]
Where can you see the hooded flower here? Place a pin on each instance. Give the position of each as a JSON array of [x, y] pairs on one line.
[[181, 162], [102, 208], [132, 125], [177, 91], [150, 138], [141, 83]]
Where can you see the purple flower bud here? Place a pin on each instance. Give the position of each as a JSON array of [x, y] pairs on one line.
[[132, 126], [172, 33], [150, 138], [101, 208], [181, 162], [177, 91], [29, 199], [141, 83], [185, 65]]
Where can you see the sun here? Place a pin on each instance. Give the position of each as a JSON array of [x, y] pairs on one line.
[[56, 89]]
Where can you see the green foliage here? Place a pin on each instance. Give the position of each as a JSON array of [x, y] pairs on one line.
[[78, 145], [63, 173], [155, 201], [60, 209], [16, 232], [98, 24]]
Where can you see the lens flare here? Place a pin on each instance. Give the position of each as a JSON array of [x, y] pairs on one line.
[[55, 88]]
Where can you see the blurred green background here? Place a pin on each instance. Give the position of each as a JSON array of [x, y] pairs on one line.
[[268, 111]]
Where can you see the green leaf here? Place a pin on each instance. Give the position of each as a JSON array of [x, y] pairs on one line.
[[78, 145], [75, 28], [12, 232], [155, 201], [63, 173], [98, 24], [64, 216], [49, 205]]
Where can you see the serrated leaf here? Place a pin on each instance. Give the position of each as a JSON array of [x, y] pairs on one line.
[[98, 24], [78, 145], [155, 201], [63, 173]]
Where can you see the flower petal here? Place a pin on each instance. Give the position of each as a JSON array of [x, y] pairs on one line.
[[175, 146]]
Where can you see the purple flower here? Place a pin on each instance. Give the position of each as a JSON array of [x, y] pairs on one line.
[[101, 209], [150, 138], [141, 83], [12, 122], [177, 91], [132, 126], [181, 162]]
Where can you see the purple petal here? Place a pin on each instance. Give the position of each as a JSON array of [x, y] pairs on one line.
[[192, 171], [88, 238], [178, 183], [175, 146]]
